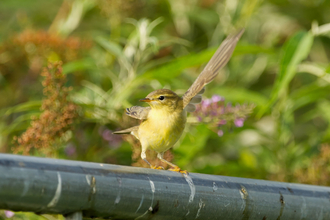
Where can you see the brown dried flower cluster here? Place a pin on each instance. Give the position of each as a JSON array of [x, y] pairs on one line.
[[318, 171], [36, 47], [57, 116], [45, 42]]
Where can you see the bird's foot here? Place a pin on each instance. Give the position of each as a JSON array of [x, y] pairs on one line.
[[177, 169], [157, 167]]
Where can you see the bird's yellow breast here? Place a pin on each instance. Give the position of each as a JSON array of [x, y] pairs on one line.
[[162, 129]]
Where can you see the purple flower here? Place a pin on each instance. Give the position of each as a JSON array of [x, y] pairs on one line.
[[206, 103], [220, 133], [217, 98], [239, 122], [228, 107], [217, 113], [70, 150], [222, 122], [107, 135], [9, 214], [214, 112], [113, 140]]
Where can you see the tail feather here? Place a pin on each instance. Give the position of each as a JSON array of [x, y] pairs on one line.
[[126, 131], [132, 131]]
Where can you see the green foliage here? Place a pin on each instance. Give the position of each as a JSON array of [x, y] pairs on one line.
[[294, 51]]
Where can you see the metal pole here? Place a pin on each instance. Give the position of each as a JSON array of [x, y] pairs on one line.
[[109, 191]]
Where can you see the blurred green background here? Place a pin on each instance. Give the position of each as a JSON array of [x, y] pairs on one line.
[[116, 52]]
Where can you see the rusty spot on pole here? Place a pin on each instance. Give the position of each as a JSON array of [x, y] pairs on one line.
[[290, 190], [155, 209], [282, 206], [246, 203], [176, 203], [282, 199], [244, 192]]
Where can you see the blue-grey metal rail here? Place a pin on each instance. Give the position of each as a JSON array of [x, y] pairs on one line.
[[77, 189]]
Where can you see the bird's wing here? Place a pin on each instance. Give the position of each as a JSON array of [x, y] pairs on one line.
[[132, 131], [219, 59], [138, 112], [191, 107]]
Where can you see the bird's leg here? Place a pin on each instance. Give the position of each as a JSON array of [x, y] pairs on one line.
[[175, 167], [144, 157]]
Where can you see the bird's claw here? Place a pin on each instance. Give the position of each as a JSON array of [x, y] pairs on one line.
[[157, 167], [177, 169]]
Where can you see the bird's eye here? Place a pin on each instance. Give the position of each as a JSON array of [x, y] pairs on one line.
[[161, 97]]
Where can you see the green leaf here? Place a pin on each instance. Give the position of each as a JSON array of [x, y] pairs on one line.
[[241, 95], [20, 123], [308, 94], [324, 106], [315, 69], [110, 46], [176, 66], [26, 106], [251, 49], [295, 50], [78, 65]]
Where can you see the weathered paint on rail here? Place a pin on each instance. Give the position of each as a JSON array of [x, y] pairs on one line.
[[109, 191]]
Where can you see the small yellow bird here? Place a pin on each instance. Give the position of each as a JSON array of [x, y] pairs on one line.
[[165, 119]]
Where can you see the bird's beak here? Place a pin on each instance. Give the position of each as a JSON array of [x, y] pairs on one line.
[[145, 100]]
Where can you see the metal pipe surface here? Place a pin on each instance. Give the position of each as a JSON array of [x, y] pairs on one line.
[[44, 185]]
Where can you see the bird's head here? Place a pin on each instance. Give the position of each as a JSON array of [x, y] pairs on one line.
[[164, 99]]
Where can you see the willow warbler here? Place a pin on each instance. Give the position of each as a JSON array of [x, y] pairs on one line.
[[165, 119]]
